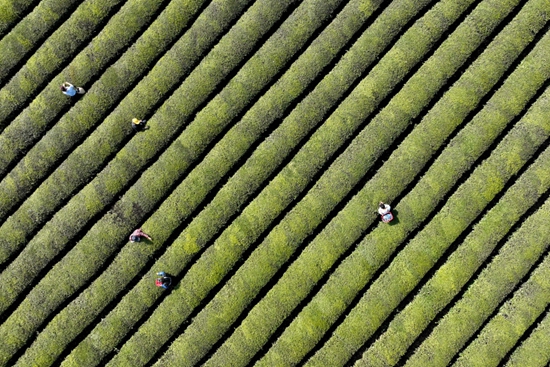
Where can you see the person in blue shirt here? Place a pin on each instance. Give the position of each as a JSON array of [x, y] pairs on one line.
[[70, 90]]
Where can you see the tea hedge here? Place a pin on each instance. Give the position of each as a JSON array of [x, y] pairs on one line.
[[56, 51], [19, 227], [186, 191], [300, 336], [126, 208], [31, 30], [97, 220], [333, 242], [437, 125], [235, 192], [462, 152], [256, 271], [75, 316], [529, 353], [87, 113], [423, 251], [460, 267], [513, 319], [88, 202], [177, 259], [493, 284], [89, 157], [11, 12]]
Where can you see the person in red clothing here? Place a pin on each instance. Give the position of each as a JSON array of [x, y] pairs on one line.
[[164, 281], [137, 234]]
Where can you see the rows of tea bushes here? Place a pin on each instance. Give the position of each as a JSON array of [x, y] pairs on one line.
[[529, 353], [20, 226], [89, 157], [291, 287], [222, 149], [503, 331], [133, 157], [302, 335], [281, 241], [494, 283], [153, 181], [30, 31], [238, 189], [161, 136], [168, 219], [106, 93], [441, 118], [11, 12], [56, 51], [176, 260], [426, 239], [37, 118], [460, 266], [441, 121], [228, 210], [460, 154]]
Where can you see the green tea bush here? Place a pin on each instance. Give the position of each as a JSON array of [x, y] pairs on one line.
[[29, 31], [529, 353], [87, 113], [58, 49], [228, 143], [264, 160], [100, 245], [459, 268], [281, 241], [439, 122], [513, 319], [374, 250], [11, 12], [87, 158], [93, 198], [316, 259], [493, 284]]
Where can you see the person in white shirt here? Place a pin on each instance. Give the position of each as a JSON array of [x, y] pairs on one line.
[[383, 209]]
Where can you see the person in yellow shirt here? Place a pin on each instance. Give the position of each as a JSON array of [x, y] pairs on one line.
[[139, 125]]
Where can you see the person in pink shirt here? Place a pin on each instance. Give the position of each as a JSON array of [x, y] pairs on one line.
[[138, 234]]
